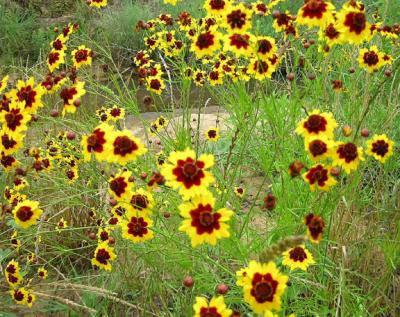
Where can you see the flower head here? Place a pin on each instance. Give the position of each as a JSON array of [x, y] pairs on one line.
[[317, 123], [298, 258], [380, 147], [82, 56], [215, 308], [103, 256], [137, 228], [26, 213], [348, 156], [315, 227], [212, 134], [315, 13], [319, 177], [125, 147]]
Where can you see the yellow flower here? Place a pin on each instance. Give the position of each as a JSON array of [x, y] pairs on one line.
[[59, 43], [116, 113], [98, 3], [216, 8], [239, 43], [260, 69], [55, 59], [216, 77], [188, 174], [141, 202], [15, 242], [237, 18], [99, 142], [380, 147], [353, 24], [239, 191], [125, 147], [319, 177], [10, 143], [103, 256], [330, 34], [201, 222], [121, 184], [12, 273], [315, 13], [206, 42], [20, 295], [263, 286], [348, 156], [30, 299], [260, 8], [199, 77], [26, 213], [315, 227], [317, 124], [137, 229], [155, 84], [264, 47], [212, 134], [371, 59], [62, 224], [42, 273], [318, 148], [82, 56], [298, 258], [3, 83], [71, 96], [216, 307], [29, 95]]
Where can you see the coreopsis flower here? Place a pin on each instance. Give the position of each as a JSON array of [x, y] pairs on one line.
[[315, 13], [201, 222], [151, 42], [171, 2], [155, 179], [347, 155], [216, 307], [206, 42], [217, 8], [155, 84], [120, 209], [103, 256], [239, 191], [239, 43], [19, 295], [137, 229], [353, 24], [260, 8], [61, 224], [52, 83], [330, 34], [264, 47], [273, 3], [141, 202], [282, 21], [28, 94], [30, 299], [212, 134], [31, 257], [319, 177], [160, 159], [125, 147], [55, 59], [185, 21], [71, 96], [317, 124], [10, 143], [72, 174], [260, 69], [103, 234], [42, 273], [12, 273], [26, 213], [188, 174], [215, 77], [98, 3], [3, 83], [380, 147], [318, 148], [298, 258], [20, 183], [99, 143], [81, 56], [315, 227], [237, 18], [14, 120], [15, 242], [263, 286], [59, 43], [371, 59], [119, 185], [116, 113], [68, 30]]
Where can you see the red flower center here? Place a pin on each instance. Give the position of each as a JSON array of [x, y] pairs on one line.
[[356, 22], [118, 186], [298, 254], [315, 123], [264, 46], [58, 45], [11, 269], [204, 220], [155, 84], [115, 112], [24, 213], [96, 141], [315, 225], [53, 57], [317, 174], [205, 40], [348, 152], [240, 41], [102, 256], [12, 279], [137, 227], [7, 160], [380, 148], [104, 235], [236, 19], [68, 94], [139, 202], [7, 142], [264, 287], [331, 32], [123, 145], [19, 296], [314, 9], [209, 312], [217, 4], [189, 172], [81, 56], [261, 67], [214, 75], [27, 94], [13, 119], [71, 174], [317, 147], [212, 134], [371, 58]]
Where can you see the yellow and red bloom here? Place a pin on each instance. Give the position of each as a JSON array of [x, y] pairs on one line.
[[315, 13], [188, 174], [141, 202], [19, 295], [8, 161], [81, 56], [331, 34], [216, 307], [29, 95], [264, 47], [26, 213], [263, 286], [59, 43], [237, 19], [282, 22], [201, 222], [298, 258], [30, 299], [55, 59], [10, 143], [116, 113], [125, 147], [155, 84], [12, 273], [317, 124], [14, 120], [260, 69], [3, 83], [137, 229], [71, 96], [15, 242], [212, 134], [103, 256], [99, 143], [315, 227], [380, 147], [239, 191], [121, 184], [260, 8], [353, 24], [348, 156], [371, 59], [239, 43], [98, 3], [319, 177], [206, 42], [61, 224], [318, 148], [42, 273], [217, 8], [215, 77]]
